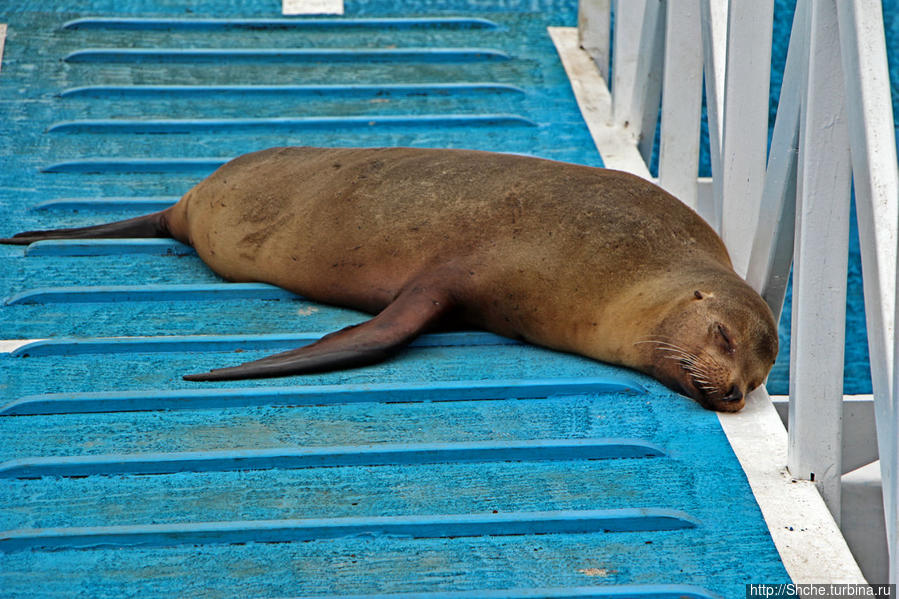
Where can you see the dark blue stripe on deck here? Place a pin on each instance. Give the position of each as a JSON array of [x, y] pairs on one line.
[[329, 457], [150, 293], [416, 527], [107, 247], [313, 395], [226, 343], [150, 24], [149, 203], [290, 123], [136, 165], [182, 55], [624, 591], [101, 91]]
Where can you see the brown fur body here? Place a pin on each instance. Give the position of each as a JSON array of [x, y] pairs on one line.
[[579, 259]]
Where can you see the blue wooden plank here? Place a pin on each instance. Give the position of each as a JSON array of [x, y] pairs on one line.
[[147, 203], [150, 293], [136, 165], [328, 457], [624, 591], [433, 391], [288, 123], [417, 527], [107, 247], [269, 55], [335, 90], [169, 24], [198, 343]]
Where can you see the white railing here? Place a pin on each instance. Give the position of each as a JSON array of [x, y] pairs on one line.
[[787, 207]]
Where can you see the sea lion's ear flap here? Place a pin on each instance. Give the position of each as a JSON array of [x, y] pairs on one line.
[[697, 294], [373, 341]]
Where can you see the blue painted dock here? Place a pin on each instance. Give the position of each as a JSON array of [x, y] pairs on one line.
[[469, 466]]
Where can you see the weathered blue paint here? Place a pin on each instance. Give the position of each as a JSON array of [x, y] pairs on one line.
[[282, 531], [197, 399], [197, 343], [148, 204], [145, 24], [330, 457], [641, 591], [358, 89], [291, 123], [137, 293], [430, 395], [106, 247], [90, 166], [205, 55]]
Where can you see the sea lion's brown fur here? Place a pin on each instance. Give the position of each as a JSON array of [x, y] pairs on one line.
[[580, 259]]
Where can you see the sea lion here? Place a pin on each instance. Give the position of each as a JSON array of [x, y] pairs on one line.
[[579, 259]]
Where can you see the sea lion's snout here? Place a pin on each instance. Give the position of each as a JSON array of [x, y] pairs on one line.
[[732, 402]]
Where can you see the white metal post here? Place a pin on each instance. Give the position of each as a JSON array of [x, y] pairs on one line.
[[626, 53], [745, 140], [714, 50], [772, 248], [820, 265], [649, 73], [871, 138], [682, 104], [594, 28], [637, 69]]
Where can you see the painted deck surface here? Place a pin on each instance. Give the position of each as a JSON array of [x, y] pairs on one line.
[[470, 466]]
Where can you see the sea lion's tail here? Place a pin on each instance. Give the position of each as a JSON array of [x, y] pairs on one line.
[[148, 225]]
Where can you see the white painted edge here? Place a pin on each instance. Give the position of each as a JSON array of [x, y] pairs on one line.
[[616, 146], [809, 542], [7, 346], [312, 7], [2, 42]]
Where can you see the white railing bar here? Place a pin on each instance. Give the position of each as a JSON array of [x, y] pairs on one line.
[[714, 51], [647, 97], [626, 43], [594, 26], [745, 140], [876, 181], [772, 248], [682, 105], [820, 265]]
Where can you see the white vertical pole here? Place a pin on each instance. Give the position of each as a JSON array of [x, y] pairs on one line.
[[745, 140], [772, 248], [820, 265], [649, 72], [871, 138], [594, 27], [626, 52], [637, 69], [714, 49], [682, 103]]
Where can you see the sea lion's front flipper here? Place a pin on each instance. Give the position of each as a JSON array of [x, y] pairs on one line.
[[375, 340]]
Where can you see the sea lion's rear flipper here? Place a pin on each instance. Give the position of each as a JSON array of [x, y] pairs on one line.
[[414, 310], [148, 225]]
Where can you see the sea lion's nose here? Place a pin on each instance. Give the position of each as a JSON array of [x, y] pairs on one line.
[[735, 394]]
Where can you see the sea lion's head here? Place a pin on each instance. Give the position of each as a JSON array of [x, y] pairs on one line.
[[714, 345]]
